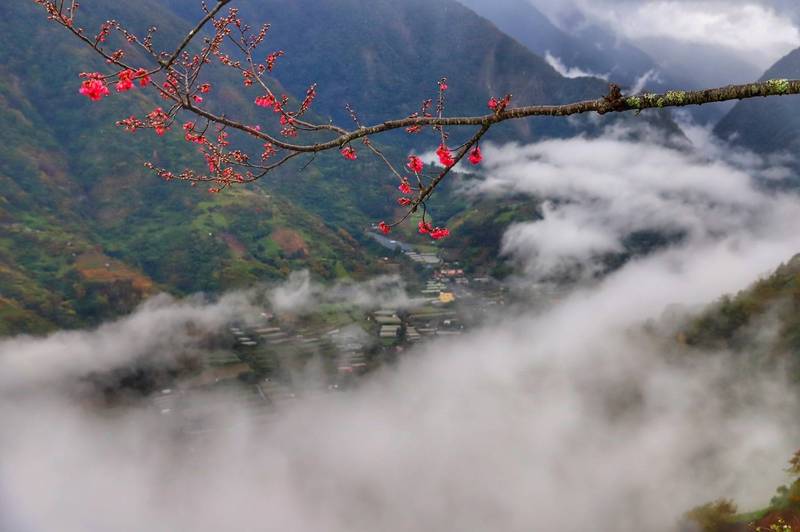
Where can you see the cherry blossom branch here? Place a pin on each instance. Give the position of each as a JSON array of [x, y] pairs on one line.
[[181, 85], [192, 33], [777, 87]]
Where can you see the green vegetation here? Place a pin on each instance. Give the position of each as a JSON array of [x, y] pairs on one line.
[[71, 182], [782, 514], [478, 233], [713, 516], [732, 322], [86, 232], [392, 59]]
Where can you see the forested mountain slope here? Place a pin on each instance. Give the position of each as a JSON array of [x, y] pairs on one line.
[[386, 59], [767, 126], [762, 320], [585, 47], [85, 230], [621, 61]]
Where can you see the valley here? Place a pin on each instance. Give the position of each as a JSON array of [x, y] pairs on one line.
[[606, 336]]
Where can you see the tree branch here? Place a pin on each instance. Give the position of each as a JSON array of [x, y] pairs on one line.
[[640, 102], [228, 166], [166, 64]]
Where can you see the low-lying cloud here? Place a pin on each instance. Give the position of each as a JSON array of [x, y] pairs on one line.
[[301, 294], [570, 72], [573, 418], [770, 26], [570, 421], [641, 82], [161, 329], [597, 192]]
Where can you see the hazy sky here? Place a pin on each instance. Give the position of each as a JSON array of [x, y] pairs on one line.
[[760, 32]]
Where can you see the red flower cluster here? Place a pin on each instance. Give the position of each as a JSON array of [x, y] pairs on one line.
[[498, 104], [144, 78], [265, 101], [190, 135], [268, 100], [424, 111], [271, 58], [475, 155], [287, 118], [414, 164], [131, 124], [169, 87], [105, 29], [445, 157], [158, 120], [269, 151], [436, 233], [212, 165], [94, 87], [222, 162], [439, 233], [311, 93], [125, 80], [349, 153]]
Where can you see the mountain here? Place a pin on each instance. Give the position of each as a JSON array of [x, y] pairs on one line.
[[593, 50], [767, 126], [386, 59], [86, 232], [582, 47], [717, 65], [762, 320]]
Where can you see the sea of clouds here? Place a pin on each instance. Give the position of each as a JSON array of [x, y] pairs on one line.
[[571, 418]]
